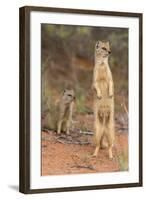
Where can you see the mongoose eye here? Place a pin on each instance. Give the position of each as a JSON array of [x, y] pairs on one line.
[[69, 95], [103, 48]]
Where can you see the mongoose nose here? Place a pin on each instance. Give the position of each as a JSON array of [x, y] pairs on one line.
[[74, 98], [109, 52]]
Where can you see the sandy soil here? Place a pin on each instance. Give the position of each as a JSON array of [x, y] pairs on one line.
[[72, 154]]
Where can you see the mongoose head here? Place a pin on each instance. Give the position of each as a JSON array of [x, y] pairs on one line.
[[102, 49], [68, 96]]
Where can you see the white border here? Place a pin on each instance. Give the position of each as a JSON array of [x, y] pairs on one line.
[[36, 180]]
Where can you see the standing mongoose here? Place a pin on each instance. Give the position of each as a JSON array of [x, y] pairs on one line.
[[103, 98]]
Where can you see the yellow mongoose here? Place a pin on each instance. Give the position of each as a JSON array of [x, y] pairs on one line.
[[103, 97], [60, 118]]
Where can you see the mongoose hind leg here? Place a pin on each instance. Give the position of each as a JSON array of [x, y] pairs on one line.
[[110, 138], [98, 136]]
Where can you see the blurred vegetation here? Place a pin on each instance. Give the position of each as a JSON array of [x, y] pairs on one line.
[[123, 160], [67, 58]]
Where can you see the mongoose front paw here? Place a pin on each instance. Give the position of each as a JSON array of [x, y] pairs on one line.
[[110, 94], [99, 97]]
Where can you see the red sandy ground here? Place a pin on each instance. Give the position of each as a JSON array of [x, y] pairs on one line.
[[61, 158]]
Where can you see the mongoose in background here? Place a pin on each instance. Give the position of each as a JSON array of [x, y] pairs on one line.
[[61, 117], [103, 98]]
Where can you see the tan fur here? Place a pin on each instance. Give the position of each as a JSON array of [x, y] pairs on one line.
[[61, 118], [103, 98]]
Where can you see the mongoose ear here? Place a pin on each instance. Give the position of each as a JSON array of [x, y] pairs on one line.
[[98, 44], [64, 91]]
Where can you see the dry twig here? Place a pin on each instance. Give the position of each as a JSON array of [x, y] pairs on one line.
[[83, 166], [87, 132], [72, 142]]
